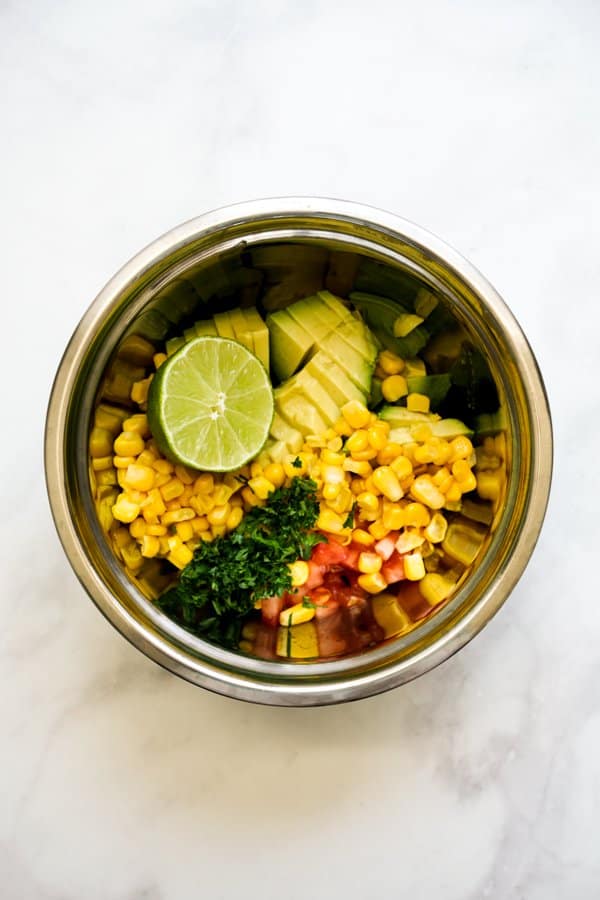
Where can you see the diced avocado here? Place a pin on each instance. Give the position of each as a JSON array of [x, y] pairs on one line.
[[282, 431], [478, 510], [314, 316], [401, 417], [358, 336], [223, 325], [491, 423], [433, 386], [464, 539], [425, 302], [277, 451], [333, 379], [440, 428], [389, 615], [444, 349], [260, 333], [300, 413], [314, 392], [354, 364], [381, 314], [238, 322], [336, 305], [289, 344], [376, 396], [247, 339]]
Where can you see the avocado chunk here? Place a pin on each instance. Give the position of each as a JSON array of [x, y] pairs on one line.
[[282, 431], [440, 428], [357, 368], [491, 423], [223, 325], [336, 305], [299, 412], [309, 387], [401, 417], [381, 315], [289, 344], [333, 379]]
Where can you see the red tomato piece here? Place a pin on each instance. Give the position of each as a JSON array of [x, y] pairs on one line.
[[270, 609], [393, 568], [386, 546]]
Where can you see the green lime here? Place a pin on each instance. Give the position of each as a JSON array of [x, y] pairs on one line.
[[210, 405]]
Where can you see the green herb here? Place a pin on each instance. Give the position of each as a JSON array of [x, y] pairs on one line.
[[308, 603], [225, 578], [297, 464], [349, 520]]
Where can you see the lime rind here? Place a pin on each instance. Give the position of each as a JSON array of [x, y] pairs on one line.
[[210, 405]]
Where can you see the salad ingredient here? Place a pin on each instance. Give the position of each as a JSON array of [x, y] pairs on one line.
[[228, 576], [210, 405], [243, 325]]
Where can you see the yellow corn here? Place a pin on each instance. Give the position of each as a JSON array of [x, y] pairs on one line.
[[137, 424], [409, 540], [296, 615], [156, 530], [378, 530], [356, 414], [261, 486], [435, 588], [343, 502], [360, 467], [158, 359], [417, 402], [299, 571], [342, 428], [204, 484], [101, 442], [461, 448], [139, 391], [489, 484], [333, 474], [221, 494], [219, 514], [394, 387], [357, 441], [377, 436], [453, 493], [402, 466], [436, 530], [250, 498], [128, 443], [184, 475], [424, 491], [362, 455], [174, 516], [154, 504], [368, 563], [368, 501], [331, 458], [185, 530], [390, 363], [124, 510], [414, 568], [468, 484], [121, 537], [109, 418], [360, 536], [386, 481], [392, 516], [234, 518], [373, 583], [463, 542], [101, 463], [389, 453], [275, 474], [330, 521], [132, 557], [330, 491], [137, 529], [150, 546], [179, 554], [162, 466], [199, 524], [172, 489], [139, 478], [416, 515]]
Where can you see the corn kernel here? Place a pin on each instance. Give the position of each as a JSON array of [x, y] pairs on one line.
[[435, 588], [299, 571], [132, 557], [158, 359], [368, 501], [129, 443], [296, 615], [218, 530], [440, 477], [199, 524], [333, 475], [275, 474], [204, 484], [294, 471], [358, 467], [219, 514], [180, 555], [357, 441], [356, 414], [138, 527], [392, 516], [360, 536], [162, 466], [185, 530], [124, 510], [368, 563], [373, 583], [250, 498], [234, 518], [331, 458], [377, 437], [343, 502], [386, 480], [172, 489], [417, 402], [409, 540], [416, 515], [342, 428], [331, 491], [109, 418], [402, 466], [101, 442], [394, 387], [261, 486], [453, 493], [468, 484], [139, 391], [362, 455], [121, 537], [102, 463], [489, 484], [390, 363], [378, 530], [414, 568], [137, 423], [174, 516], [389, 453], [156, 530], [139, 478], [335, 444], [461, 448], [424, 491], [329, 521], [436, 530], [150, 546]]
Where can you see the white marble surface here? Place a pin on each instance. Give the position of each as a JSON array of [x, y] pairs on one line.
[[479, 121]]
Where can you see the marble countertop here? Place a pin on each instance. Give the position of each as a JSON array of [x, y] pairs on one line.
[[479, 121]]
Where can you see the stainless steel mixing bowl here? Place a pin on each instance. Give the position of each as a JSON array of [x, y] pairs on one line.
[[207, 251]]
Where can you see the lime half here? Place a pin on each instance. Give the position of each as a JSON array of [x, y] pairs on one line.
[[210, 405]]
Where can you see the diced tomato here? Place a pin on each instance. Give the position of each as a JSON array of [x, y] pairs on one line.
[[315, 574], [329, 554], [270, 609], [393, 568], [386, 546]]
